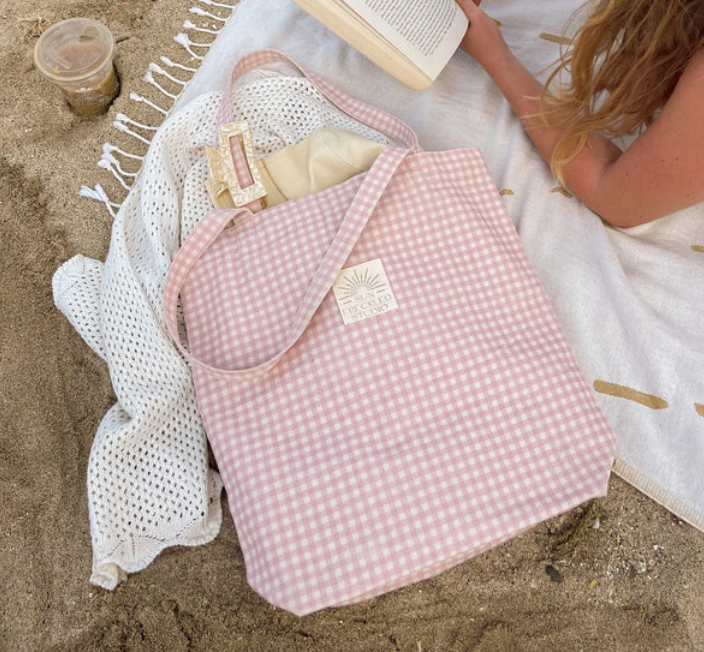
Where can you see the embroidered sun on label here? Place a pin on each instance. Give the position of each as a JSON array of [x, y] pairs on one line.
[[363, 291]]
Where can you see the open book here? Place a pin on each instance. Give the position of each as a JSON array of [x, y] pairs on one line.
[[410, 39]]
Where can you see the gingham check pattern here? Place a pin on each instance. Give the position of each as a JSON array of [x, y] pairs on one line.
[[360, 458], [365, 457]]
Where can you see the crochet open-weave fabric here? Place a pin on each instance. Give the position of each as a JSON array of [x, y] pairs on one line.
[[149, 482]]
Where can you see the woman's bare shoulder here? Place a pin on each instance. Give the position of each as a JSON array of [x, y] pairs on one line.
[[693, 74], [663, 170], [697, 61], [685, 109]]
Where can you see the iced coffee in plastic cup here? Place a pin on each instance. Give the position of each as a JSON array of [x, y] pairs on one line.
[[77, 55]]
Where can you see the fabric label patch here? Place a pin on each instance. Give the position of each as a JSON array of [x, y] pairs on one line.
[[363, 291]]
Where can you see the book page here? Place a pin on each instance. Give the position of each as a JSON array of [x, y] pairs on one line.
[[426, 31]]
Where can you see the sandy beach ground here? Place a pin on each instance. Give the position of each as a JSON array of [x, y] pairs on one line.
[[619, 574]]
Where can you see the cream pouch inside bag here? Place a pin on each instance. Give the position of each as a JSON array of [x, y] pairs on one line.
[[328, 156]]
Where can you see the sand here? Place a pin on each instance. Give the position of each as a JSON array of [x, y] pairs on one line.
[[618, 574]]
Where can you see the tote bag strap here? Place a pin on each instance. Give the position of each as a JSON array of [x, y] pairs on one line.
[[360, 210], [371, 116]]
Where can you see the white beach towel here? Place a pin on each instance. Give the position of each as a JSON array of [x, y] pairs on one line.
[[631, 302]]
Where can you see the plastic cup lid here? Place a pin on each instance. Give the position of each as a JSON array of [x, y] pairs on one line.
[[73, 49]]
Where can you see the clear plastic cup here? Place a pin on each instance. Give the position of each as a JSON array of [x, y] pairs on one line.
[[77, 55]]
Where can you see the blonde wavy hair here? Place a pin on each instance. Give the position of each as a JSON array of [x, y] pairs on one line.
[[622, 67]]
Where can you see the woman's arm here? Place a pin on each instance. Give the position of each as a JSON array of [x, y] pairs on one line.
[[661, 172]]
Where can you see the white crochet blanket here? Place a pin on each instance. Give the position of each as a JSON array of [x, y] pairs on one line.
[[149, 483], [631, 302]]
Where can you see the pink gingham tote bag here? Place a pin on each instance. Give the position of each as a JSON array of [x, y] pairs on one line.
[[384, 384]]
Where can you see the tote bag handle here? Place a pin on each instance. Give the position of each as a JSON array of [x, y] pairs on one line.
[[360, 210], [380, 120]]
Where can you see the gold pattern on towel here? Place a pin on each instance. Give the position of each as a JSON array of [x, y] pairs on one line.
[[699, 408], [554, 38], [562, 191], [506, 191], [698, 248], [621, 391]]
